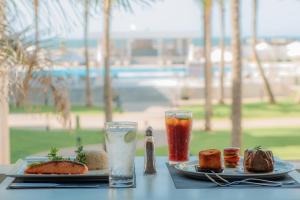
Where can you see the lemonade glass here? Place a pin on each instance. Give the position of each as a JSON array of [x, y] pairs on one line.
[[120, 139]]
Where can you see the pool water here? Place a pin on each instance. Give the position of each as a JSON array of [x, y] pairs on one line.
[[126, 72]]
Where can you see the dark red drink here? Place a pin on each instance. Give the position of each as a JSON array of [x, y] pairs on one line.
[[178, 124]]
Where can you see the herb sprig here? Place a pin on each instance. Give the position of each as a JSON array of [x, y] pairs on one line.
[[258, 148], [52, 156], [80, 155]]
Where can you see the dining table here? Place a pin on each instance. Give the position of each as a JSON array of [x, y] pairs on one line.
[[158, 186]]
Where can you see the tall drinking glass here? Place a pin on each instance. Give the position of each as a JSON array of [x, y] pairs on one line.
[[120, 139], [178, 125]]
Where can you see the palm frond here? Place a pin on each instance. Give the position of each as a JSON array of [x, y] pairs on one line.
[[128, 5], [20, 60], [53, 15]]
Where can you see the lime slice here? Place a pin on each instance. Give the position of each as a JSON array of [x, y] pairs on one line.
[[130, 136]]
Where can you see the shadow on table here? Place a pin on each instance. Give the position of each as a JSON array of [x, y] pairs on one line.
[[2, 177]]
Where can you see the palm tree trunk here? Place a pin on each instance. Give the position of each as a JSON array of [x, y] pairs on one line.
[[106, 60], [236, 139], [256, 57], [88, 92], [4, 109], [36, 24], [207, 68], [222, 48]]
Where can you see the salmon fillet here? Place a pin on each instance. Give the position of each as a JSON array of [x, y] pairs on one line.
[[57, 167]]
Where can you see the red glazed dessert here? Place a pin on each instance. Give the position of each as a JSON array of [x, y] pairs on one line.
[[231, 157], [210, 160]]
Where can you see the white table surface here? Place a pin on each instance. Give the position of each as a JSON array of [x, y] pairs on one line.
[[159, 186]]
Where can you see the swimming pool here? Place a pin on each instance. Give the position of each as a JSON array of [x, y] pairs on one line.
[[119, 72], [126, 72]]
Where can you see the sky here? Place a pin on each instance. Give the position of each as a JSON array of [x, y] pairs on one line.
[[277, 18]]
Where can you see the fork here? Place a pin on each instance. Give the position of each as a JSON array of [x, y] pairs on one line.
[[252, 181]]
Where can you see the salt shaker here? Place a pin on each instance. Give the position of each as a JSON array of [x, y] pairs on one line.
[[149, 158]]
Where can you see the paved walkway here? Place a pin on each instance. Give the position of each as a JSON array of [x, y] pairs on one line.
[[154, 119]]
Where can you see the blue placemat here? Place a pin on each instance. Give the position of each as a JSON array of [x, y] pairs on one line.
[[2, 177], [101, 184], [183, 182]]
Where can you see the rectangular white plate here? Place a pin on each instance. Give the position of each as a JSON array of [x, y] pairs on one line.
[[20, 166]]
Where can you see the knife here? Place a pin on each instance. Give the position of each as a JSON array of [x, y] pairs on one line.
[[52, 185]]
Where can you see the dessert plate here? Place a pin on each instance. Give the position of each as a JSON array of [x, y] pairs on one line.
[[281, 169]]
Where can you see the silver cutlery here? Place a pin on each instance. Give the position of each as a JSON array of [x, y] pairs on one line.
[[251, 181]]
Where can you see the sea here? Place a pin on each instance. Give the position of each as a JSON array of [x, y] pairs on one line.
[[56, 42]]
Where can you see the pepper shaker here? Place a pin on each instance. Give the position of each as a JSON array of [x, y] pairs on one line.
[[149, 158]]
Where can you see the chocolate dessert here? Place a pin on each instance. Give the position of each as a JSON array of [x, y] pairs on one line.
[[258, 160]]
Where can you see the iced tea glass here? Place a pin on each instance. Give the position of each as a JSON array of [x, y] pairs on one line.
[[120, 139], [178, 125]]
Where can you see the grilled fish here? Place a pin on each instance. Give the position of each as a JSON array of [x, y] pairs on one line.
[[57, 167]]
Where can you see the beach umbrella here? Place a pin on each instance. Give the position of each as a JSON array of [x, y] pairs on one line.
[[293, 49], [216, 56]]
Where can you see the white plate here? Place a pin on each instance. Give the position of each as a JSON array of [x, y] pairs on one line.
[[281, 168], [21, 165]]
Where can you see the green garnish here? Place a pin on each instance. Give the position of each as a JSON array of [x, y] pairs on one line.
[[52, 156], [258, 148], [81, 156]]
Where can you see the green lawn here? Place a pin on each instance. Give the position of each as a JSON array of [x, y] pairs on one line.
[[27, 142], [49, 109], [284, 142], [250, 110]]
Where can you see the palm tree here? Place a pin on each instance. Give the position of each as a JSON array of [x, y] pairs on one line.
[[256, 57], [4, 131], [89, 98], [222, 49], [36, 24], [16, 54], [106, 60], [31, 66], [33, 62], [107, 7], [207, 6], [236, 109]]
